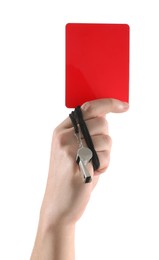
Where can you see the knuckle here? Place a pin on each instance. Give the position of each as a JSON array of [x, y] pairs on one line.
[[111, 101], [64, 142], [100, 171], [102, 122], [59, 137], [108, 140], [105, 160], [56, 132], [85, 106]]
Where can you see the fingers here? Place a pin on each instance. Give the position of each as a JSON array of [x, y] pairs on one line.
[[98, 125], [101, 143], [101, 107], [104, 158], [94, 115], [97, 108]]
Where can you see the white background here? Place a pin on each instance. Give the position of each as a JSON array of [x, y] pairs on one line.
[[121, 221]]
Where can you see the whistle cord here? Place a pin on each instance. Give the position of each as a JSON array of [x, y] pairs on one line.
[[77, 118]]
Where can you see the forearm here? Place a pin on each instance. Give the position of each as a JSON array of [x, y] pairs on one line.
[[54, 244]]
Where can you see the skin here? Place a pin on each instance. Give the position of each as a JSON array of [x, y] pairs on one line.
[[66, 196]]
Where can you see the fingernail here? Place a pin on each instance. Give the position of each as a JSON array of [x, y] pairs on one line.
[[125, 105]]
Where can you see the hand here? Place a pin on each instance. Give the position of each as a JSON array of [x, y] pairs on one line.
[[66, 196]]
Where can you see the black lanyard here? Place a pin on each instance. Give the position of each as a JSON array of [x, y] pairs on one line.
[[77, 118]]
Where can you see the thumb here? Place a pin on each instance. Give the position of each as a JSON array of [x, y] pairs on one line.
[[101, 107]]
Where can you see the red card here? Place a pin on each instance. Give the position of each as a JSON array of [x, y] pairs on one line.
[[97, 62]]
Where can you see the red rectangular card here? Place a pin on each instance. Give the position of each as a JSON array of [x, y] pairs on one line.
[[97, 62]]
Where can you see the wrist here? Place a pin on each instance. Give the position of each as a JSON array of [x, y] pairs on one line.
[[49, 224], [51, 218], [54, 242]]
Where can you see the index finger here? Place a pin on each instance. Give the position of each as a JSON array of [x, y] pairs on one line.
[[98, 107]]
